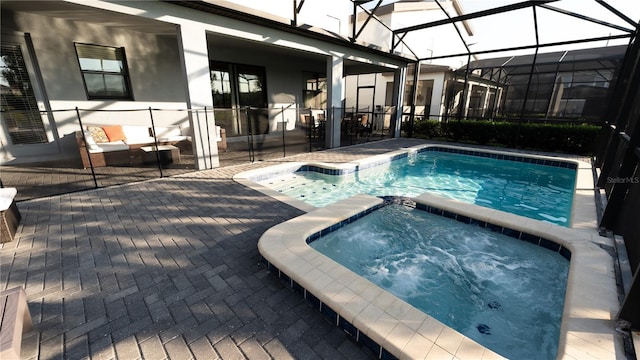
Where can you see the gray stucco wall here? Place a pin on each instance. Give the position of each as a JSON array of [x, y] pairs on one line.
[[154, 63], [153, 60]]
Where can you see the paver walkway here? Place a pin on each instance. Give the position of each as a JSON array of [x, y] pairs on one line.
[[167, 268]]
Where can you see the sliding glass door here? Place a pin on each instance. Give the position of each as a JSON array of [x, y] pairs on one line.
[[239, 91]]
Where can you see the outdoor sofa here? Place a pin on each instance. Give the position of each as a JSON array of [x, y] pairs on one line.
[[120, 144]]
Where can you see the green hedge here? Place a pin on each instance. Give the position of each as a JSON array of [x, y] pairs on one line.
[[579, 139]]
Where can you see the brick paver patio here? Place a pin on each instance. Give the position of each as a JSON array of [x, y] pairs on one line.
[[167, 268]]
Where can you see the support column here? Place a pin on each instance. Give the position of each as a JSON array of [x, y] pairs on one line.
[[192, 42], [485, 100], [412, 101], [335, 97], [399, 81], [467, 101]]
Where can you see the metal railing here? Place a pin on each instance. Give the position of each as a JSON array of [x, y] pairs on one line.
[[618, 159], [365, 124], [161, 143]]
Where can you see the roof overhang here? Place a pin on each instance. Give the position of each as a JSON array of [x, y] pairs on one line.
[[241, 13], [74, 12]]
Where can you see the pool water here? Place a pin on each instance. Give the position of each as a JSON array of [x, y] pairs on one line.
[[504, 293], [540, 192]]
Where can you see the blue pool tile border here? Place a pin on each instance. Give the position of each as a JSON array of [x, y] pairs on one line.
[[351, 330], [317, 235], [520, 235], [501, 156], [485, 154], [347, 171]]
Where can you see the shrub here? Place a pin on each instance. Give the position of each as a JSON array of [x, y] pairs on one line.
[[427, 129], [479, 131], [577, 139], [566, 138], [507, 134]]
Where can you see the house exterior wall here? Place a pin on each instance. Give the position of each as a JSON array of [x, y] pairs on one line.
[[308, 47], [436, 109], [353, 82], [154, 71], [165, 67], [424, 43], [334, 18]]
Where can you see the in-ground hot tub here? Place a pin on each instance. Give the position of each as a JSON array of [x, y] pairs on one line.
[[391, 327], [505, 292]]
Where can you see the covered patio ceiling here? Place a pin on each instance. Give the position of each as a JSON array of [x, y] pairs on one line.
[[351, 67]]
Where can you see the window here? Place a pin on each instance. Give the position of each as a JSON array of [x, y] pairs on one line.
[[20, 114], [237, 85], [423, 96], [104, 71], [221, 85], [251, 89], [315, 90]]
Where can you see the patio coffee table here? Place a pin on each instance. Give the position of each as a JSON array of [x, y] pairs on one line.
[[167, 154]]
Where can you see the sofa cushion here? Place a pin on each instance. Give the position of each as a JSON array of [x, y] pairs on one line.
[[140, 140], [132, 132], [176, 138], [98, 134], [91, 143], [110, 146], [167, 132], [114, 132], [6, 197]]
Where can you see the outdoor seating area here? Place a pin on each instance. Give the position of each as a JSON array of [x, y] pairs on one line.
[[356, 125], [124, 144]]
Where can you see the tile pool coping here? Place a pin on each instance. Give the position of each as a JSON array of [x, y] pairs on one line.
[[591, 304]]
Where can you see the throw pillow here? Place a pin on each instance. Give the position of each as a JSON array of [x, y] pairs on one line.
[[98, 134], [114, 132]]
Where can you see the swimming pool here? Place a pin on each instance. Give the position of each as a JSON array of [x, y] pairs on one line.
[[502, 292], [537, 188]]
